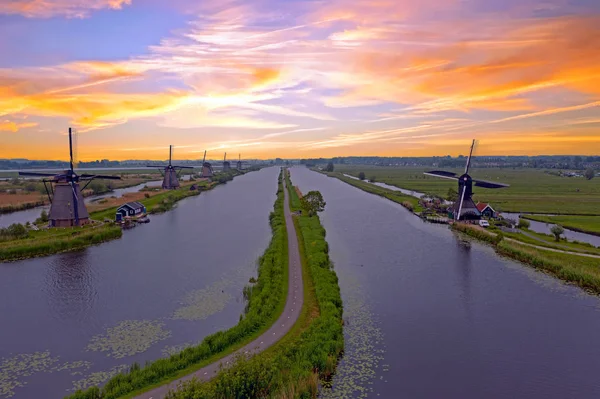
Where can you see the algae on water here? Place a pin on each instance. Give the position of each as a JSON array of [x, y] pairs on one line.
[[129, 337]]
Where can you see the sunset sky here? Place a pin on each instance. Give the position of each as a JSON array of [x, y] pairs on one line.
[[296, 78]]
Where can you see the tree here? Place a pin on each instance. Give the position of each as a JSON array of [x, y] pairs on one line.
[[329, 167], [557, 230], [589, 174], [313, 202], [44, 216], [361, 175], [524, 224], [452, 194], [373, 179]]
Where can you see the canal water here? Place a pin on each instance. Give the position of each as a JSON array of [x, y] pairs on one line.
[[74, 319], [431, 314]]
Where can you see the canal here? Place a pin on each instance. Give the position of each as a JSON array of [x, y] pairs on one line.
[[76, 318], [429, 314]]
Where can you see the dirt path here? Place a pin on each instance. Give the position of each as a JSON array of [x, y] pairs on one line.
[[291, 312], [552, 249]]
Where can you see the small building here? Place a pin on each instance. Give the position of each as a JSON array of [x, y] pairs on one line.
[[486, 210], [130, 210]]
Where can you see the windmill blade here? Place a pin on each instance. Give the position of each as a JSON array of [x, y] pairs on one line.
[[75, 203], [204, 159], [489, 184], [37, 174], [183, 167], [71, 148], [443, 174], [470, 155], [100, 177], [462, 198], [170, 154], [156, 166]]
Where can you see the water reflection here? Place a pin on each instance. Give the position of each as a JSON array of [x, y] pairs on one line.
[[463, 269], [69, 285]]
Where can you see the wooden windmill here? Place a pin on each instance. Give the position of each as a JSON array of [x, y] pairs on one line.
[[226, 164], [465, 208], [67, 207], [239, 162], [170, 172], [207, 170]]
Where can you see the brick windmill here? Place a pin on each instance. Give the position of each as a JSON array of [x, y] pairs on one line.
[[67, 207], [207, 170], [226, 164], [170, 172]]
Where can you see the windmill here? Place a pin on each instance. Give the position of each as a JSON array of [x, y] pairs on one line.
[[239, 162], [465, 207], [226, 164], [67, 207], [207, 170], [170, 172]]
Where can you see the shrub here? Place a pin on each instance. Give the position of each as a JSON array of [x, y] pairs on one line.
[[524, 223], [361, 175]]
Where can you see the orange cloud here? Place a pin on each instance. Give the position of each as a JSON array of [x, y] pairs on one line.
[[10, 126], [51, 8], [535, 55]]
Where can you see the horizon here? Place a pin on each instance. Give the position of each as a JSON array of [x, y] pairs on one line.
[[299, 79]]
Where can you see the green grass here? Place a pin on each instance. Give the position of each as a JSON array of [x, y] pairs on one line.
[[292, 367], [409, 202], [549, 242], [47, 242], [584, 224], [531, 190], [266, 299], [580, 270]]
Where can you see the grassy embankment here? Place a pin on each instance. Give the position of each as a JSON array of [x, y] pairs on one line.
[[579, 270], [47, 242], [407, 201], [266, 300], [583, 224], [50, 241], [548, 241], [530, 191], [291, 368]]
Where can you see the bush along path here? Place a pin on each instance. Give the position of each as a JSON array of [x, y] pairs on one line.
[[290, 314]]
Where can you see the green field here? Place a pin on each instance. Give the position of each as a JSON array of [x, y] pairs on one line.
[[584, 224], [531, 190]]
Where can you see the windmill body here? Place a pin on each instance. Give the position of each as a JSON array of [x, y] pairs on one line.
[[67, 207], [465, 208], [239, 163], [226, 164], [207, 170], [170, 172]]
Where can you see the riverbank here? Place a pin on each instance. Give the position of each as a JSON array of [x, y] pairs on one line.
[[309, 353], [51, 241], [576, 269], [409, 202], [582, 224]]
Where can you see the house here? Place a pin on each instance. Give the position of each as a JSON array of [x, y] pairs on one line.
[[486, 210], [129, 210]]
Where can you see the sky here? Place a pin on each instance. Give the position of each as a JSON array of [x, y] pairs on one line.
[[298, 78]]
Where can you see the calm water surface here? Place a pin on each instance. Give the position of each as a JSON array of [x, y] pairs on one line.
[[66, 318], [442, 317]]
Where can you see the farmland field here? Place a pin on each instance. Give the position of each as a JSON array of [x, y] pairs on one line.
[[584, 224], [531, 190]]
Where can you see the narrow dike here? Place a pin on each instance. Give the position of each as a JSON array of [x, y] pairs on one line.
[[293, 331]]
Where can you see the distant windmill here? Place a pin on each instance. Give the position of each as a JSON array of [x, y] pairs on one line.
[[465, 207], [170, 172], [239, 162], [207, 170], [226, 164], [67, 207]]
